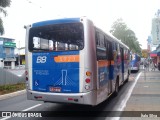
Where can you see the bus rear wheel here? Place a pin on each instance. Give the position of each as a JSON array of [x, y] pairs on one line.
[[127, 77], [116, 87]]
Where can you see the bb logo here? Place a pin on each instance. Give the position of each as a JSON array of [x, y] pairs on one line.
[[41, 59]]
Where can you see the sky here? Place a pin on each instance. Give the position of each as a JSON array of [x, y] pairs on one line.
[[137, 14]]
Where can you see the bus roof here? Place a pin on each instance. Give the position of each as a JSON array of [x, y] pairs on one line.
[[56, 21]]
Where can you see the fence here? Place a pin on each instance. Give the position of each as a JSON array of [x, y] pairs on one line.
[[8, 76]]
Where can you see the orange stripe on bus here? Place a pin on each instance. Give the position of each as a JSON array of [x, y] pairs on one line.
[[103, 63], [67, 58], [112, 62]]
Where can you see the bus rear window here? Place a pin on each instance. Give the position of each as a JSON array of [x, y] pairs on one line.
[[57, 37]]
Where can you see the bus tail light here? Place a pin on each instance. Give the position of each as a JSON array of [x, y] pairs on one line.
[[87, 80], [26, 72], [88, 73], [72, 99], [27, 85], [87, 86], [37, 97]]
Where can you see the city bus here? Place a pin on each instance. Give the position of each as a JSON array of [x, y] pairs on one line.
[[135, 62], [71, 60]]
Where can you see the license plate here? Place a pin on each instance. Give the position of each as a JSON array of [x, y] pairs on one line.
[[55, 89]]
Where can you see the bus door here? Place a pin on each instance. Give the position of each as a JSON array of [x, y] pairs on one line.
[[103, 63], [122, 64], [111, 66]]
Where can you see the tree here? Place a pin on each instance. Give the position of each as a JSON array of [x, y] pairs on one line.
[[120, 30], [3, 5]]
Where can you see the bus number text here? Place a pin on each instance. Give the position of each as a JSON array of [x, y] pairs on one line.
[[41, 59]]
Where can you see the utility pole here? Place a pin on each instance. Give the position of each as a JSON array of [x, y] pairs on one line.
[[19, 55]]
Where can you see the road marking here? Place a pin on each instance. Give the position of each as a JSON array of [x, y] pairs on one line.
[[126, 98], [22, 111], [32, 107]]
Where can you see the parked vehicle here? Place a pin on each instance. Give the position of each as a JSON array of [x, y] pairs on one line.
[[135, 62]]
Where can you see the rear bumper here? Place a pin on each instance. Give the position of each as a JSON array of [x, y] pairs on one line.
[[134, 68], [88, 98]]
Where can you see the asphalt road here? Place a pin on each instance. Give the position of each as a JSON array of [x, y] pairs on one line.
[[20, 103]]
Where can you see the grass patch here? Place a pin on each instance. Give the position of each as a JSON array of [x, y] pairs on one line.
[[4, 89]]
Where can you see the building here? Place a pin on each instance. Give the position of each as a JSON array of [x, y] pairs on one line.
[[156, 29], [20, 53], [7, 55], [154, 39]]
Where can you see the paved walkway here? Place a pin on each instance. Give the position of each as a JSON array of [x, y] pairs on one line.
[[144, 101]]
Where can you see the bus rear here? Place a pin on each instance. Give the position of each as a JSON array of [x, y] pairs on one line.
[[55, 64], [135, 62]]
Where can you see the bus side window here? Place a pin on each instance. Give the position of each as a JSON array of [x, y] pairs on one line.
[[128, 54], [131, 57], [100, 38], [115, 52], [124, 55], [107, 47], [97, 39], [100, 44], [110, 51]]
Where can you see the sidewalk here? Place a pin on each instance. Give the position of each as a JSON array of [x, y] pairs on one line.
[[146, 93], [13, 94]]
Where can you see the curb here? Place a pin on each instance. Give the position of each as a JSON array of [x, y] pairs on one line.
[[5, 96]]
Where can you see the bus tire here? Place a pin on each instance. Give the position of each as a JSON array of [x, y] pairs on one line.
[[127, 77], [116, 87]]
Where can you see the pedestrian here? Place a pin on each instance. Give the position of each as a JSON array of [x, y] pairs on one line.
[[145, 63], [152, 66]]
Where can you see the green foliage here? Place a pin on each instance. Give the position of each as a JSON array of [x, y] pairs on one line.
[[11, 88], [120, 30], [3, 4], [1, 27]]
